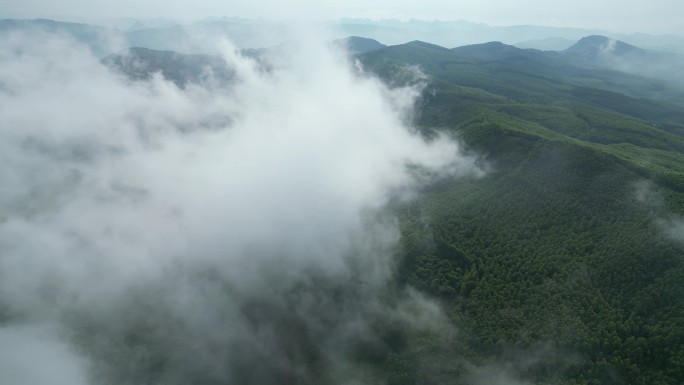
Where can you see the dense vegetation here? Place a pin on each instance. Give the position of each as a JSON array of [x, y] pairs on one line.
[[559, 262]]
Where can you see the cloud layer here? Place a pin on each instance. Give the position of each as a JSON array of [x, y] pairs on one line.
[[202, 235]]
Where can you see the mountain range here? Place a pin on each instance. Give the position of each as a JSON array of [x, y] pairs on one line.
[[591, 50], [559, 244], [189, 38], [566, 259]]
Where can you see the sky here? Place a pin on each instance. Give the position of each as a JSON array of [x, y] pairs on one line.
[[654, 17]]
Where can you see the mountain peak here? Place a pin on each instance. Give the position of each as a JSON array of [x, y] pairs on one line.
[[357, 44], [492, 46], [420, 43], [598, 45], [494, 50]]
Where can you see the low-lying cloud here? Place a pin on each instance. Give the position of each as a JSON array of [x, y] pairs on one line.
[[207, 235], [669, 224]]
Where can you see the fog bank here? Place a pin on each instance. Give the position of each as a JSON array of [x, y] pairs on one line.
[[207, 235]]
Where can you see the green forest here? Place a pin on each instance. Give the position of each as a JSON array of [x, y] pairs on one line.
[[560, 260]]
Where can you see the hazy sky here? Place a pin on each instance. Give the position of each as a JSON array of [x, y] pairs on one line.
[[656, 16]]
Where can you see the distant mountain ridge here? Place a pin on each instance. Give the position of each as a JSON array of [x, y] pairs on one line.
[[594, 51], [357, 44], [596, 45], [171, 35], [606, 52], [142, 63], [99, 39]]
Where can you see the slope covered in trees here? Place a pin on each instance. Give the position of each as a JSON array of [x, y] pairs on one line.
[[566, 246]]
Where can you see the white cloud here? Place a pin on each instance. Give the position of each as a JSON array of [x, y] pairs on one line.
[[156, 224], [31, 355]]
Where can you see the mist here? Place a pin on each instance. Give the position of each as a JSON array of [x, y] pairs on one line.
[[237, 234]]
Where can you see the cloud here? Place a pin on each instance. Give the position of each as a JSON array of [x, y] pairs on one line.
[[645, 192], [674, 229], [207, 234], [32, 355], [669, 224], [521, 366]]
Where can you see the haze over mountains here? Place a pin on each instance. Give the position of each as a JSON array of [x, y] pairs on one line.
[[168, 35], [657, 56], [594, 51], [306, 207]]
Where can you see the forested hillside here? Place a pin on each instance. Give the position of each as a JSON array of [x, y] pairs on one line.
[[564, 258]]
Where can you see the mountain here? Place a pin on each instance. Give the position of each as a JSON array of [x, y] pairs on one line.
[[451, 33], [196, 38], [557, 253], [252, 34], [142, 63], [596, 46], [526, 74], [546, 44], [496, 50], [605, 52], [98, 39], [356, 44], [460, 32]]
